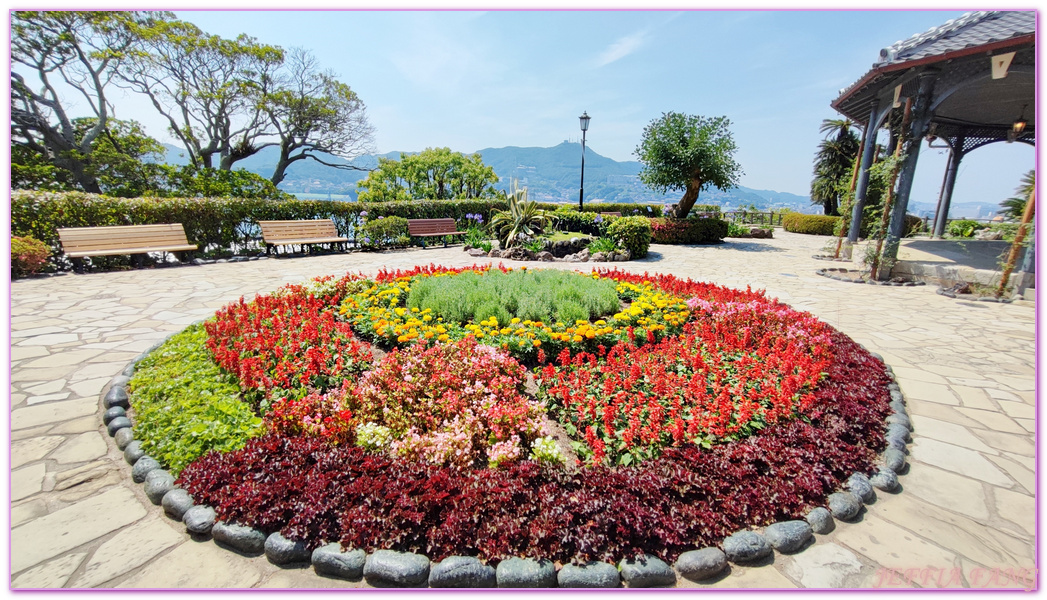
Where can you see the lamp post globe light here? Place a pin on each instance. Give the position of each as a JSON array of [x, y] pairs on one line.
[[584, 121]]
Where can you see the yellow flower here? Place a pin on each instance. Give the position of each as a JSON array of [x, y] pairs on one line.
[[537, 343], [576, 338]]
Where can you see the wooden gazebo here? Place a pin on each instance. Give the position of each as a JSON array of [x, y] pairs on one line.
[[970, 82]]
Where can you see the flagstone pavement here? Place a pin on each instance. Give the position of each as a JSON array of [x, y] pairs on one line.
[[966, 517]]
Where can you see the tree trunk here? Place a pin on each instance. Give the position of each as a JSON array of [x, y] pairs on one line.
[[689, 198], [281, 166], [78, 169]]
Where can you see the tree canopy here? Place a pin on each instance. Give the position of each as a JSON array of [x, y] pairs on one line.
[[78, 49], [222, 99], [208, 88], [312, 112], [434, 174], [689, 153], [833, 164]]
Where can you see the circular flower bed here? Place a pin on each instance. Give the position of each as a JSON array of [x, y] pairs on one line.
[[392, 421]]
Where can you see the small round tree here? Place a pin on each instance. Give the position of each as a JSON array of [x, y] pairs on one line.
[[688, 152]]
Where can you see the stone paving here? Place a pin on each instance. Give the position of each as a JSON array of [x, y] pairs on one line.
[[966, 517]]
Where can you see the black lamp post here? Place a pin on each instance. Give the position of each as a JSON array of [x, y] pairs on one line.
[[584, 120]]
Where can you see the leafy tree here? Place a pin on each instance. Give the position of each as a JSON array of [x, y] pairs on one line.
[[833, 164], [192, 182], [1014, 208], [209, 89], [31, 170], [434, 174], [123, 162], [313, 112], [79, 49], [690, 153]]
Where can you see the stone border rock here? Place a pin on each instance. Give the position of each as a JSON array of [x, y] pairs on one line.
[[829, 272], [523, 254], [389, 568], [829, 258], [971, 297]]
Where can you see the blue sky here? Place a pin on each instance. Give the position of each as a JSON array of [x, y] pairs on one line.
[[470, 80]]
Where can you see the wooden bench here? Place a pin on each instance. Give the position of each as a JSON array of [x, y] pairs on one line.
[[432, 228], [81, 242], [300, 233], [611, 214]]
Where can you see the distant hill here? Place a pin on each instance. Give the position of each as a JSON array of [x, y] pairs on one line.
[[550, 175]]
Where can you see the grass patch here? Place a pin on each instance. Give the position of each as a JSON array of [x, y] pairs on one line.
[[545, 296], [185, 405]]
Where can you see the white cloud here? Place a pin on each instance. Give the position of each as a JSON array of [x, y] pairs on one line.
[[622, 47]]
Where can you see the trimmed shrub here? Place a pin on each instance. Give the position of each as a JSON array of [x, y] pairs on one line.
[[627, 210], [688, 231], [568, 219], [383, 232], [28, 256], [810, 224], [631, 233]]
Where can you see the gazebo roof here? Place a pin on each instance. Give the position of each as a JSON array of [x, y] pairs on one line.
[[972, 29], [958, 48]]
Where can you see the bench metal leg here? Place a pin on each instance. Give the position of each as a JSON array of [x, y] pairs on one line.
[[78, 265]]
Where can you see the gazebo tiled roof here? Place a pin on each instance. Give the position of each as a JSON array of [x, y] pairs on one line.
[[972, 29]]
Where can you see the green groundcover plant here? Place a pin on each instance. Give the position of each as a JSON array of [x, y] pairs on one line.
[[185, 405]]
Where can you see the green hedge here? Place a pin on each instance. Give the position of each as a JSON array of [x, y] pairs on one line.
[[627, 210], [810, 224], [688, 231], [590, 221], [631, 233], [215, 223]]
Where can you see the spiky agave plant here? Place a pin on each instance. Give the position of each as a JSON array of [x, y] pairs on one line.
[[522, 217]]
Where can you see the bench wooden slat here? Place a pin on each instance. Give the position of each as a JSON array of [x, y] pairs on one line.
[[299, 233], [317, 231], [80, 242], [296, 241], [117, 251], [430, 227]]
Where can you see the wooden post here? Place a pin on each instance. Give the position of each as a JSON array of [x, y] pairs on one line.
[[889, 199], [1030, 209], [854, 181]]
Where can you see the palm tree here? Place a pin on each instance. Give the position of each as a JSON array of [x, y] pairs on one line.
[[1014, 208], [833, 163]]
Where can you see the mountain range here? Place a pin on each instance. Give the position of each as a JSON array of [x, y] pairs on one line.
[[549, 174]]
